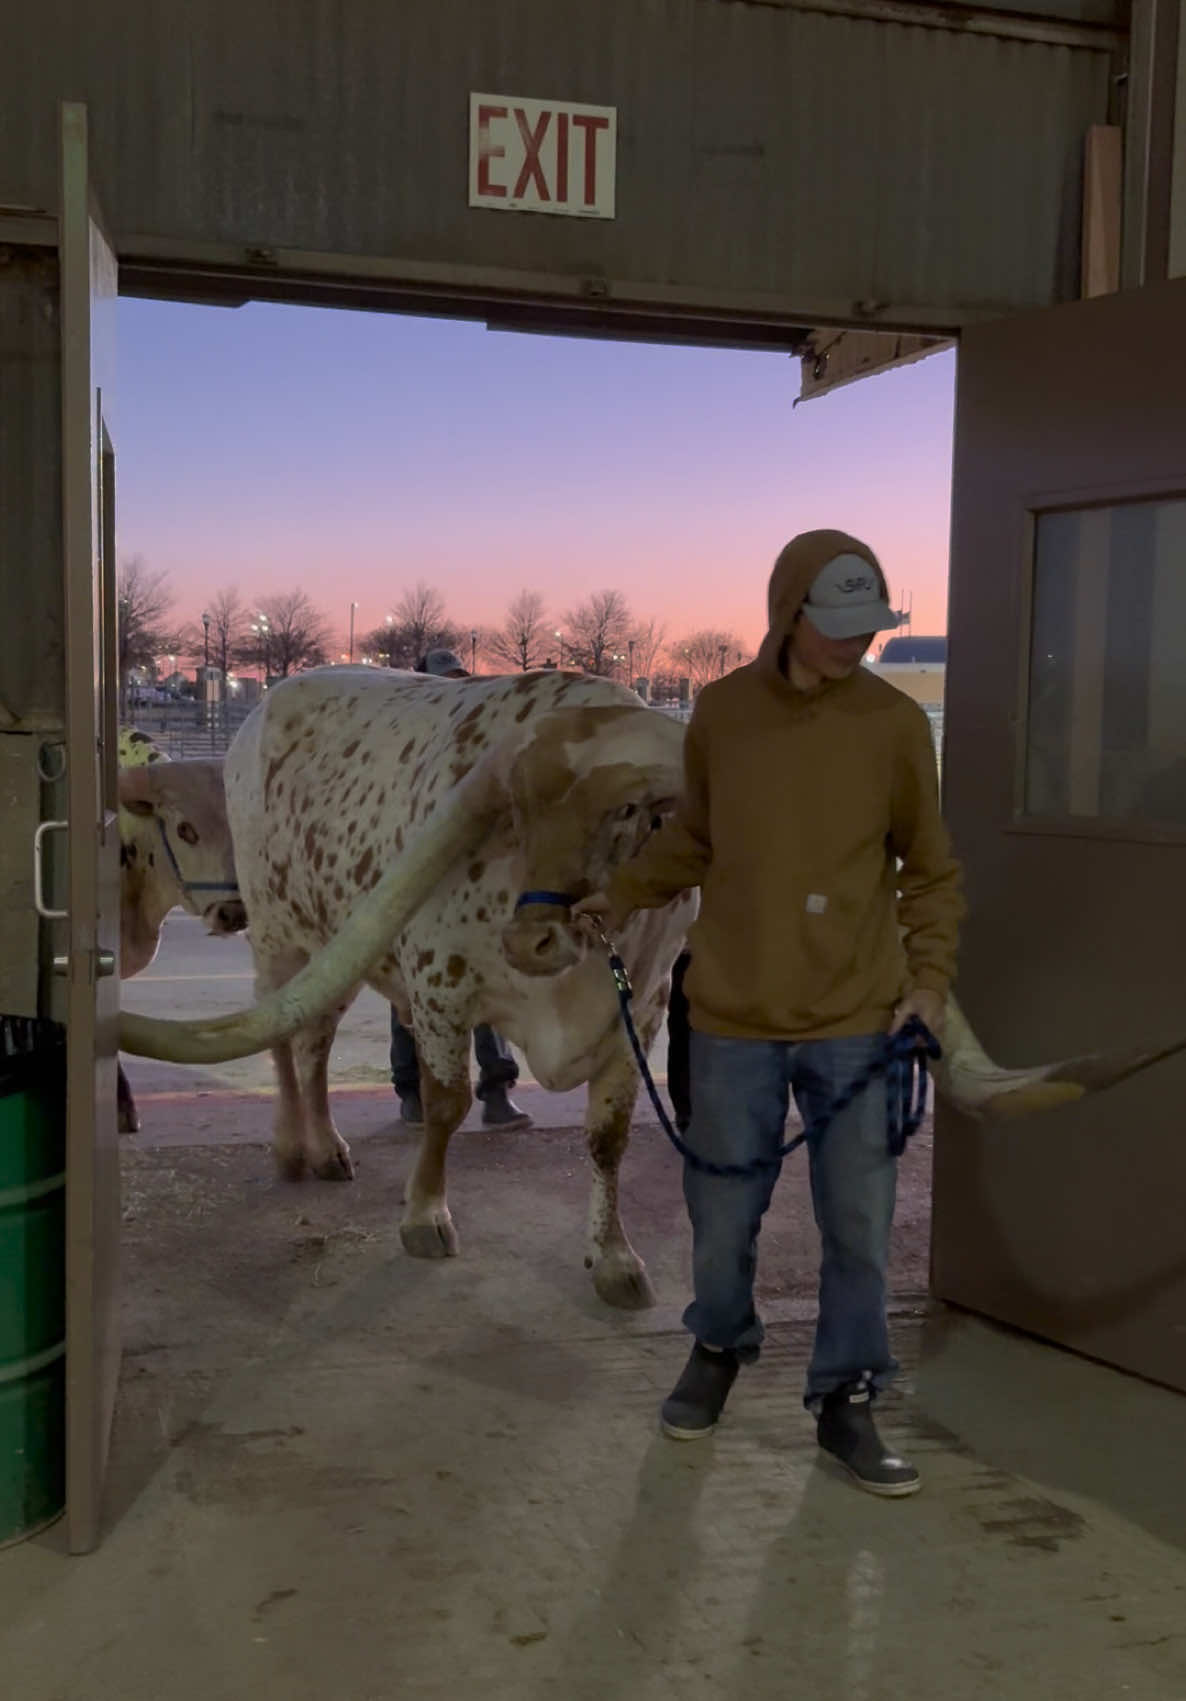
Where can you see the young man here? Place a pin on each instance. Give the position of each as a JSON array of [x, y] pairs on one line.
[[807, 780], [497, 1070]]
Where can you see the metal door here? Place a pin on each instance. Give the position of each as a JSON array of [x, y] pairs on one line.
[[1065, 782], [90, 962]]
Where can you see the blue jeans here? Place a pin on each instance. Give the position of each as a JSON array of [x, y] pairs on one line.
[[496, 1061], [740, 1099]]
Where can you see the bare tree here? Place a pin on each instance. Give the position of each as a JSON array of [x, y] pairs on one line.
[[388, 644], [421, 614], [598, 630], [228, 630], [420, 623], [291, 634], [522, 641], [706, 655], [643, 646], [145, 602]]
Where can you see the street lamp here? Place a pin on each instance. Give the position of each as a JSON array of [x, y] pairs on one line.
[[206, 637], [259, 627], [724, 652], [630, 649], [473, 652], [560, 640], [353, 607]]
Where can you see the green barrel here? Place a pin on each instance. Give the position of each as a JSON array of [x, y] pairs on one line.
[[32, 1277]]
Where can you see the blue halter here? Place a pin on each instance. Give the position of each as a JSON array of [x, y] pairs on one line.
[[192, 885]]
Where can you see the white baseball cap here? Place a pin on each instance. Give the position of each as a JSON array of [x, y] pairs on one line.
[[848, 598]]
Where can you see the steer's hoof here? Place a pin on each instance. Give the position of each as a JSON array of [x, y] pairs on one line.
[[436, 1238], [128, 1121], [621, 1279], [336, 1167]]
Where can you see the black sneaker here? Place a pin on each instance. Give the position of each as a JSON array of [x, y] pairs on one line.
[[694, 1406], [845, 1430], [411, 1110], [499, 1111]]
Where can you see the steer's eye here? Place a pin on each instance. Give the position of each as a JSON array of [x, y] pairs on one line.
[[188, 833]]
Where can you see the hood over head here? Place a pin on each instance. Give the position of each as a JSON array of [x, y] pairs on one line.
[[836, 580]]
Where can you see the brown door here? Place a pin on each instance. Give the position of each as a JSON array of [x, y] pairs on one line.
[[1065, 782], [90, 962]]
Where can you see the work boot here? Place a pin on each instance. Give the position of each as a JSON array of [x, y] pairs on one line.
[[411, 1110], [500, 1111], [845, 1430], [694, 1406]]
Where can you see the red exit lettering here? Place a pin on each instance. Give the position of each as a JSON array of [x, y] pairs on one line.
[[541, 156]]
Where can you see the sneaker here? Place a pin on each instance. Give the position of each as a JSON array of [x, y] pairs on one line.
[[499, 1111], [411, 1111], [845, 1430], [694, 1406]]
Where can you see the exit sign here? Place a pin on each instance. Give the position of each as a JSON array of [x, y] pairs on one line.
[[542, 156]]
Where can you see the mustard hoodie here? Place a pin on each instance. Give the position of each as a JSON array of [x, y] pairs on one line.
[[797, 808]]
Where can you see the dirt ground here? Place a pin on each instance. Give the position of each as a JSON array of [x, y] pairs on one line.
[[219, 1214], [341, 1472], [221, 1256]]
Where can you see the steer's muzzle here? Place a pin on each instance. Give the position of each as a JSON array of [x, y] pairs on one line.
[[229, 915], [541, 940]]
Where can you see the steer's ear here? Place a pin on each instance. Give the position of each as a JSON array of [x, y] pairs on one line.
[[138, 791]]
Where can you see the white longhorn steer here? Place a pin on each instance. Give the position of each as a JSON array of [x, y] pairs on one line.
[[386, 827], [323, 786], [174, 850]]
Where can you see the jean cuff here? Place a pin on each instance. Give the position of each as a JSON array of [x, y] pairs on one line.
[[874, 1382]]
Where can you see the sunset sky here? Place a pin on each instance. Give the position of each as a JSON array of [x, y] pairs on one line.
[[351, 454]]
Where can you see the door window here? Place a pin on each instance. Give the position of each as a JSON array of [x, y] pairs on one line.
[[1106, 727]]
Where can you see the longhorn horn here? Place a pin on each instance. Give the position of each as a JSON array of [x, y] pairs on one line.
[[969, 1079], [461, 822]]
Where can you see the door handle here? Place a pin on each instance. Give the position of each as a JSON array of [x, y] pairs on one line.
[[39, 838]]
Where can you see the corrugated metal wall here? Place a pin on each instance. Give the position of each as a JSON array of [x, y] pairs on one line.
[[768, 155]]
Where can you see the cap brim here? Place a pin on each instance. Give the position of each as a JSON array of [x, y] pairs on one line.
[[867, 617]]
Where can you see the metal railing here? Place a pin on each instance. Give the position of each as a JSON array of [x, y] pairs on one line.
[[186, 730]]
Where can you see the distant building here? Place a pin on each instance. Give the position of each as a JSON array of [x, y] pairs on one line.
[[917, 666]]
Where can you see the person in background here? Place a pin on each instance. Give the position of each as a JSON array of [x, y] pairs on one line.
[[498, 1071], [829, 916]]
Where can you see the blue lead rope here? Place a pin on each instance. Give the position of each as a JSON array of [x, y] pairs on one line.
[[902, 1062]]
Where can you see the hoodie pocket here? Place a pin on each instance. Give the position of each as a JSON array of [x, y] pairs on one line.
[[825, 942]]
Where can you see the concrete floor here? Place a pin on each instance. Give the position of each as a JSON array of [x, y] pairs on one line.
[[340, 1473]]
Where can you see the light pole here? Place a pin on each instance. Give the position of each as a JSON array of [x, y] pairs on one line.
[[560, 640], [353, 607], [724, 652], [630, 650], [473, 652], [259, 627], [206, 696]]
